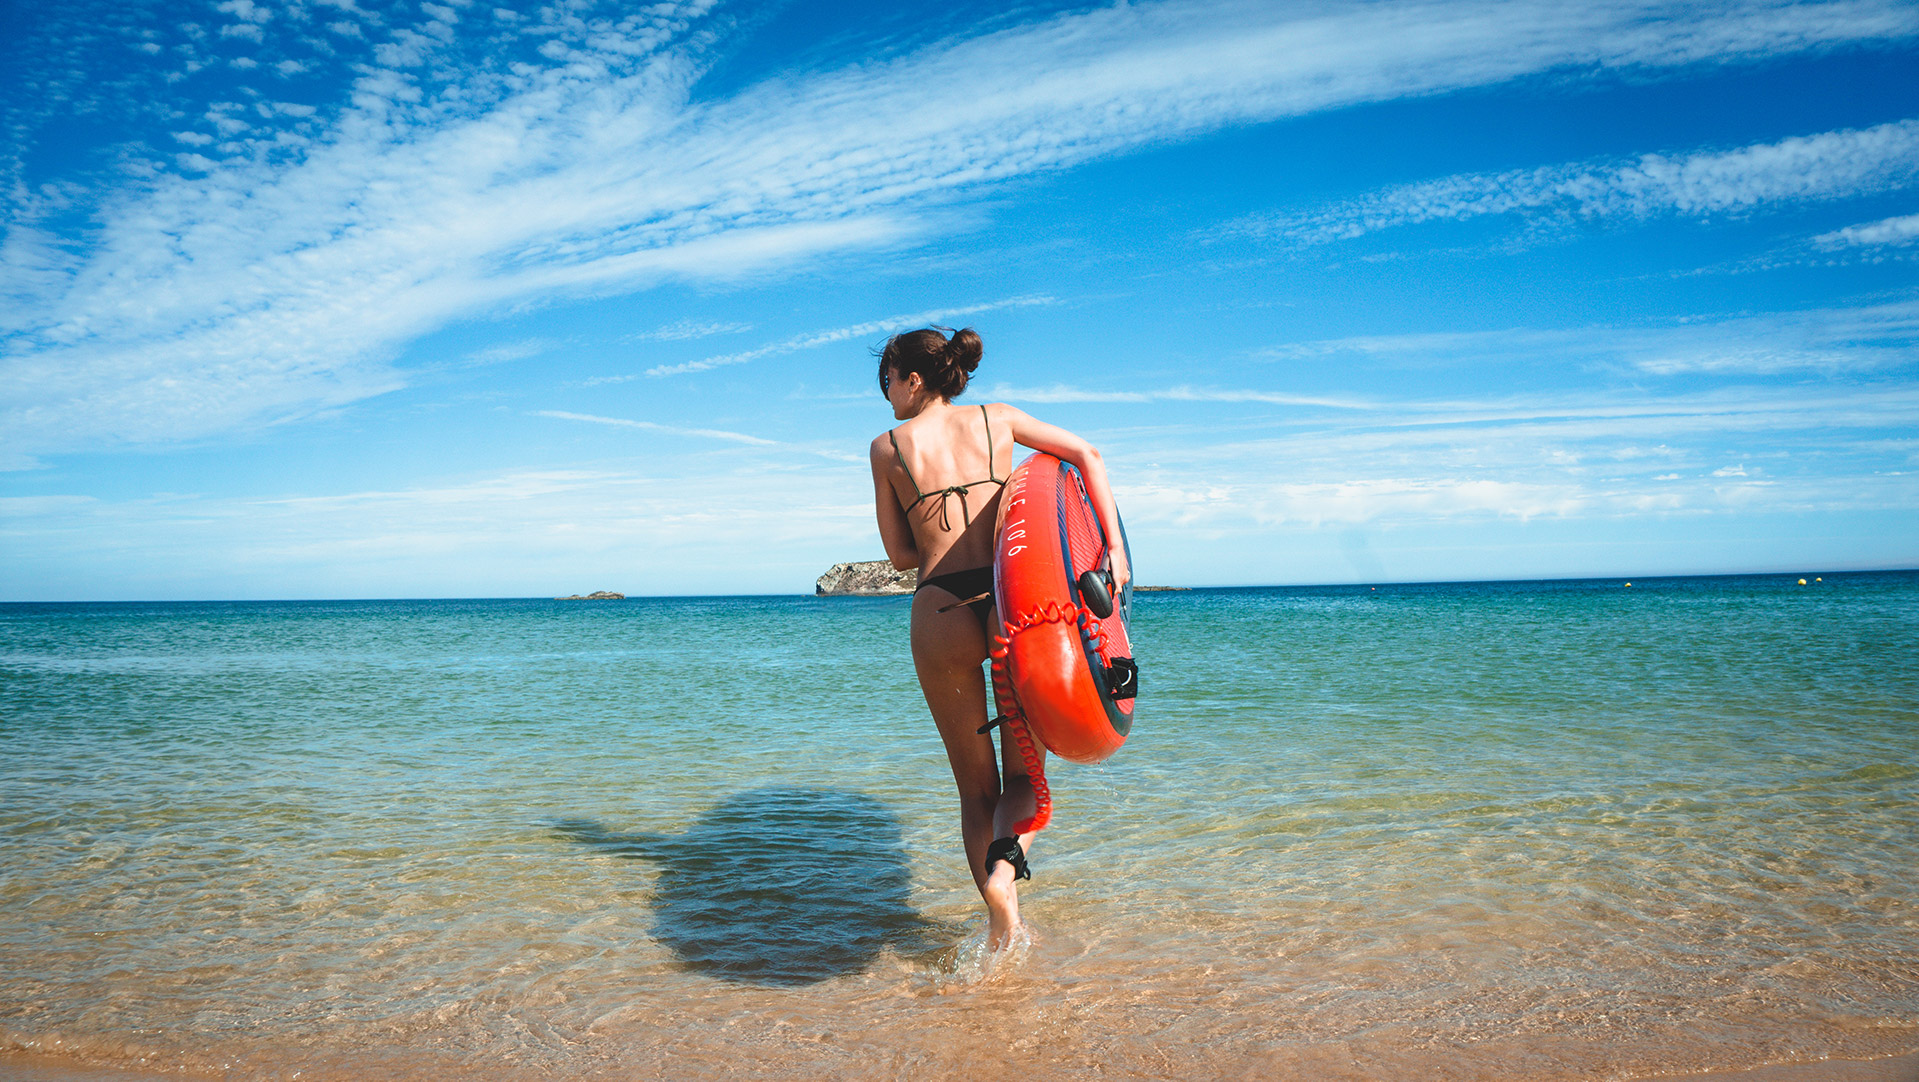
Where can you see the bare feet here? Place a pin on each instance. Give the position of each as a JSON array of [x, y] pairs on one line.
[[1002, 906]]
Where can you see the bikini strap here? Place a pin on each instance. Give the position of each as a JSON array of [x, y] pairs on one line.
[[909, 470], [990, 466]]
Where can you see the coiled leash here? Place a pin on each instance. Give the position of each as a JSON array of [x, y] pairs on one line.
[[1121, 678]]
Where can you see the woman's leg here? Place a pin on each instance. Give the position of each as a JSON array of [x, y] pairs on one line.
[[1017, 801], [948, 648]]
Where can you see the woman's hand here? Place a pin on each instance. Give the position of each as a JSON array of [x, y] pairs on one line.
[[1122, 573]]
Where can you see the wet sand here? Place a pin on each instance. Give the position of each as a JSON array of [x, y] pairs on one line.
[[35, 1068]]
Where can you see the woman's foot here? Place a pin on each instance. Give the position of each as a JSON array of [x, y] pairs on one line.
[[1002, 906]]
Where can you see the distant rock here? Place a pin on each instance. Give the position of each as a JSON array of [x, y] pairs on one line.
[[865, 579], [597, 595], [1159, 589]]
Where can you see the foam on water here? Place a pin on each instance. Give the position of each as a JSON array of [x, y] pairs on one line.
[[1529, 831], [974, 961]]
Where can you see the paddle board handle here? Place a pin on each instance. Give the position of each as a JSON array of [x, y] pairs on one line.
[[1093, 589]]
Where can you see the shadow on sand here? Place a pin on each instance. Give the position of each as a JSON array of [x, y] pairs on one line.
[[778, 886]]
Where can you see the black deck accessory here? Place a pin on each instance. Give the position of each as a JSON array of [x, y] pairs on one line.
[[997, 721], [1008, 850], [1097, 593], [1122, 678]]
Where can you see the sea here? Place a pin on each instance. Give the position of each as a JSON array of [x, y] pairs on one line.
[[1507, 830]]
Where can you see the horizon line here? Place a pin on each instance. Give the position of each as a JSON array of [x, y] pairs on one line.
[[1624, 577]]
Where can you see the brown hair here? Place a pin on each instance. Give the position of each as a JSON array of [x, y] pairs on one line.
[[944, 363]]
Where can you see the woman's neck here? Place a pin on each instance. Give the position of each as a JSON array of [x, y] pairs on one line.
[[933, 404]]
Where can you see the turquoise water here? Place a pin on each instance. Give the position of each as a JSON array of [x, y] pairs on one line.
[[1518, 830]]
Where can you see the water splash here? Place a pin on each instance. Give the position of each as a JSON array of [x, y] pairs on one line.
[[973, 962]]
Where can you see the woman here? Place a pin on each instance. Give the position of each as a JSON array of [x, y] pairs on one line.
[[937, 479]]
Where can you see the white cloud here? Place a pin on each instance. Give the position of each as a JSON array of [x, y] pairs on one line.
[[686, 330], [1886, 232], [649, 426], [1428, 461], [1360, 501], [511, 351], [1642, 447], [1624, 420], [1825, 340], [280, 284], [1060, 392], [245, 10], [1831, 165], [523, 532], [815, 339]]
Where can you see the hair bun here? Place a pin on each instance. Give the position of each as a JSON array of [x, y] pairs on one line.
[[963, 350], [944, 363]]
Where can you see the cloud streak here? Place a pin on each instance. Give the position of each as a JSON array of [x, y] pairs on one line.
[[1826, 166], [815, 339], [1884, 233], [285, 274], [523, 532], [1060, 393], [630, 525], [649, 426], [1828, 341], [1418, 462]]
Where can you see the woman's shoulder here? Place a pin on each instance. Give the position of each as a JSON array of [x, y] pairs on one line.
[[1005, 415]]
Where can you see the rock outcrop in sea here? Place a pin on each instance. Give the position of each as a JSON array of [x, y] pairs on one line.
[[865, 579], [597, 595]]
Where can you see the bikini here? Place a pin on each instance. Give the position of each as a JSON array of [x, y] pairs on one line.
[[974, 581]]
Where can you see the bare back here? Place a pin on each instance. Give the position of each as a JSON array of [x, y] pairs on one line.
[[948, 468]]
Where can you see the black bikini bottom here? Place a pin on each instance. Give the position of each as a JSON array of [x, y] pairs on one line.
[[964, 584]]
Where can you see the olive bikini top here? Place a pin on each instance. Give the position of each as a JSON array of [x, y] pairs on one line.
[[951, 490]]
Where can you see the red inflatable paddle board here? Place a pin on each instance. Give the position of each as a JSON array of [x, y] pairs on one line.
[[1063, 671]]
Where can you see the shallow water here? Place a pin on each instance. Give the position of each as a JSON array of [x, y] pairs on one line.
[[1525, 831]]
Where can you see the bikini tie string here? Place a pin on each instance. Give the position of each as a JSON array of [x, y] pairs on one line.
[[946, 518]]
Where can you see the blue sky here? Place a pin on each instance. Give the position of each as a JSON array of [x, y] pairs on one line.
[[344, 298]]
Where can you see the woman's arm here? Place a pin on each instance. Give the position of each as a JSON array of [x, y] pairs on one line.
[[896, 533], [1067, 447]]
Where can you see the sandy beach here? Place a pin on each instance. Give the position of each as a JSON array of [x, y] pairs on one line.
[[18, 1067]]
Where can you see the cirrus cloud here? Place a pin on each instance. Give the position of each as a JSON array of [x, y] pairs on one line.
[[1828, 165], [286, 276]]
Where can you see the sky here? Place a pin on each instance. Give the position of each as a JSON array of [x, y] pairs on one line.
[[354, 298]]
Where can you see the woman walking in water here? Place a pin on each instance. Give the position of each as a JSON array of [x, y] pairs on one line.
[[936, 489]]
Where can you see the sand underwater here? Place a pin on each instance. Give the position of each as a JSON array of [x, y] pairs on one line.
[[1525, 831]]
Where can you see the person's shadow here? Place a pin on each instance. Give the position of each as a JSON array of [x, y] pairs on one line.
[[778, 886]]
